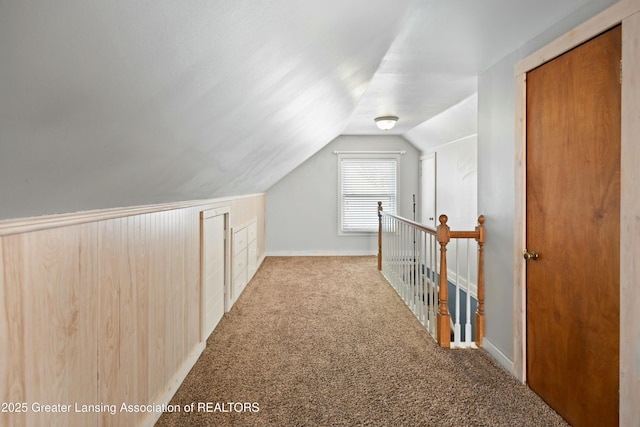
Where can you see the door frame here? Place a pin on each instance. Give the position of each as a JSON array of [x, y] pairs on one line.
[[431, 155], [205, 214], [627, 13]]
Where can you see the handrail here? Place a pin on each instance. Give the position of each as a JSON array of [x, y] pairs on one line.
[[443, 234], [417, 225]]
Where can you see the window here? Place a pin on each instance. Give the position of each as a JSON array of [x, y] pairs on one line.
[[363, 181]]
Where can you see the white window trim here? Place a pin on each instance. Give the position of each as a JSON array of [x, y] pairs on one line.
[[391, 155]]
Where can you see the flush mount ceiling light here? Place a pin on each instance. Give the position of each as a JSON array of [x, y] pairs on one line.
[[386, 122]]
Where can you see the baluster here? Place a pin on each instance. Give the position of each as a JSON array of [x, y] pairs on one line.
[[388, 250], [388, 255], [416, 272], [433, 244], [443, 319], [407, 258], [467, 325], [392, 261], [379, 236], [401, 260], [427, 275], [421, 271], [383, 258], [398, 269], [398, 258], [407, 265], [391, 249], [456, 325], [479, 317], [414, 276], [406, 261], [396, 247]]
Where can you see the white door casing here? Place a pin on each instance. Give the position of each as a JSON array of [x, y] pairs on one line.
[[428, 183], [214, 257]]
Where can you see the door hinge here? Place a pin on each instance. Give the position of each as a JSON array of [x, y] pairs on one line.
[[621, 71]]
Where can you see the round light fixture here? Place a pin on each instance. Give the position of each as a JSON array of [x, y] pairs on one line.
[[386, 122]]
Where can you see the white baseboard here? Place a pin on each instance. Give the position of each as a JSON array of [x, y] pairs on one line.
[[321, 253], [497, 354], [173, 384]]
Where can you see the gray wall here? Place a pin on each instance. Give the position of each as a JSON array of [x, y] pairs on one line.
[[302, 208], [496, 136]]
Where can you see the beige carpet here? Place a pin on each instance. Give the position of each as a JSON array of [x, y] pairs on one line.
[[325, 341]]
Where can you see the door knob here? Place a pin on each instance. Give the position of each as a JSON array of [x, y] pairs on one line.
[[530, 256]]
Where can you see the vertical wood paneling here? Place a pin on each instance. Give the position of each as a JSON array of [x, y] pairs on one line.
[[109, 314], [165, 337], [149, 246], [126, 281], [102, 312], [192, 278], [5, 358], [50, 284], [4, 340], [14, 368], [142, 231], [169, 339], [129, 356], [172, 343], [156, 307], [179, 285]]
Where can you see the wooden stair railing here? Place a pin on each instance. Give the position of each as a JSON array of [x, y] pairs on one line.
[[444, 235]]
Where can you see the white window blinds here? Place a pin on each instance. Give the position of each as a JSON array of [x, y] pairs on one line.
[[364, 182]]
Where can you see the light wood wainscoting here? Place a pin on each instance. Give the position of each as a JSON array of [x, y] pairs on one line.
[[103, 308]]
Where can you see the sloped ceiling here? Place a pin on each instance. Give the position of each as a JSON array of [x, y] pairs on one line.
[[435, 61], [453, 124], [119, 103]]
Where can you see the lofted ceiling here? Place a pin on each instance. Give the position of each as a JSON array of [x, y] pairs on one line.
[[120, 103], [434, 62]]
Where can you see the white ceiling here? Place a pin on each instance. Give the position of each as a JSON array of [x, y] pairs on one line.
[[434, 62], [117, 103]]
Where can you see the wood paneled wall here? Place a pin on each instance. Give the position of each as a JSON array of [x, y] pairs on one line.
[[50, 309], [104, 309]]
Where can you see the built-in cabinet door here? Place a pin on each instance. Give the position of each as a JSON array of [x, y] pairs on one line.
[[213, 248], [252, 249], [245, 256], [239, 272]]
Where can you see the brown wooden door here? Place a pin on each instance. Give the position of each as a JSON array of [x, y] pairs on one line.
[[573, 223]]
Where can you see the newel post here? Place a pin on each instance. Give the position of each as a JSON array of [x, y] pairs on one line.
[[479, 316], [379, 236], [443, 326]]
